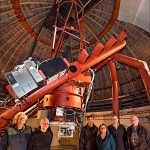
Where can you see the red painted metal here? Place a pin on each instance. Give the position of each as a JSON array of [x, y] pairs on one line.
[[59, 43], [68, 95], [110, 43], [103, 55], [78, 26], [80, 68], [122, 35], [104, 48], [97, 50], [20, 15], [60, 92], [115, 88], [141, 66], [48, 101], [8, 114], [82, 56]]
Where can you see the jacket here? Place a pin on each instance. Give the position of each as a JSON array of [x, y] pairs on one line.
[[119, 135], [15, 139], [143, 142], [39, 140], [87, 140], [108, 144]]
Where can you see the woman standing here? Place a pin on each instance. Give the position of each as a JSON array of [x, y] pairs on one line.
[[104, 140]]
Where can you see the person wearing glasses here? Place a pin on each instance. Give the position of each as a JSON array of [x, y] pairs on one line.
[[87, 140], [118, 131], [16, 136], [138, 136], [41, 139], [104, 140]]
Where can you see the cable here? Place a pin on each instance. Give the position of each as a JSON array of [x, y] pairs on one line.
[[90, 87], [88, 92]]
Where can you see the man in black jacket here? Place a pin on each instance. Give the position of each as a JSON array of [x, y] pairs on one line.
[[16, 136], [119, 133], [87, 140], [138, 136], [41, 139]]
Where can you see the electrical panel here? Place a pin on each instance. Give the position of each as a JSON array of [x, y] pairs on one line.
[[33, 71], [21, 82], [24, 78]]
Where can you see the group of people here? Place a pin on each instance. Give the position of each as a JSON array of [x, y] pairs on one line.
[[115, 136], [20, 136]]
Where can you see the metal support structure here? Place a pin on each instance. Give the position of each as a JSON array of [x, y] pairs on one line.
[[141, 66], [100, 56], [77, 25], [115, 88], [70, 75]]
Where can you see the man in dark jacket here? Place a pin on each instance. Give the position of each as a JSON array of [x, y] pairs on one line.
[[119, 133], [138, 136], [16, 136], [87, 140], [41, 139]]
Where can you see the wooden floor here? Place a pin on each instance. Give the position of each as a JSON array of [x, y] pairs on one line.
[[64, 147]]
